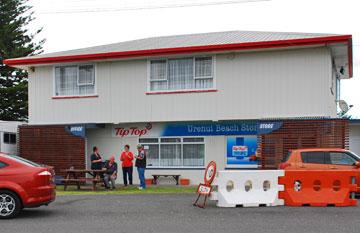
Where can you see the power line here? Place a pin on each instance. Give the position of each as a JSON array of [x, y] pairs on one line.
[[149, 7]]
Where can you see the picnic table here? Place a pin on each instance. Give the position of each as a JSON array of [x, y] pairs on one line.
[[156, 178], [78, 176]]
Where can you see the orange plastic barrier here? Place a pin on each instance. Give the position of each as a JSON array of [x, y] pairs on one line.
[[319, 188]]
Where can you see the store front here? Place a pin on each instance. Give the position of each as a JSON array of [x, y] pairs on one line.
[[182, 148], [185, 147]]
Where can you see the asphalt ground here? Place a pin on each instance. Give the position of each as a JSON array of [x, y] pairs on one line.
[[172, 213]]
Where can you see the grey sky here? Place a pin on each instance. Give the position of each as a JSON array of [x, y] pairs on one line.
[[76, 30]]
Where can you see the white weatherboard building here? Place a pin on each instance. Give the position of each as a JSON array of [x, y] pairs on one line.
[[8, 136], [189, 99]]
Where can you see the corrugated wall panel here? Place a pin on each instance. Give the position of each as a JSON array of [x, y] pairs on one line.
[[297, 134]]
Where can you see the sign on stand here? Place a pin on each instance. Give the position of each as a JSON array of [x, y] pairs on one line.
[[205, 189]]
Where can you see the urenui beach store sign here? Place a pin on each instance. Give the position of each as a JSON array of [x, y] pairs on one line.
[[195, 129]]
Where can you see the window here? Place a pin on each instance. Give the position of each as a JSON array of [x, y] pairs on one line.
[[181, 74], [74, 80], [339, 158], [286, 157], [2, 164], [9, 138], [314, 157], [174, 152]]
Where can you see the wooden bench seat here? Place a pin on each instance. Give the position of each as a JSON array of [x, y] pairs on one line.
[[156, 177]]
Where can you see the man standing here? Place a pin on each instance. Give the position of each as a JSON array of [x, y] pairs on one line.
[[140, 163], [111, 172], [127, 158]]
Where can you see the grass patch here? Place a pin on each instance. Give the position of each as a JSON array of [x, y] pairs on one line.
[[72, 191]]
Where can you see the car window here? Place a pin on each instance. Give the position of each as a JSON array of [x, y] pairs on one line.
[[2, 164], [23, 161], [286, 157], [340, 158], [314, 157]]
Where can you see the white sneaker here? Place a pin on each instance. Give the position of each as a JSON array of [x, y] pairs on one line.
[[140, 188]]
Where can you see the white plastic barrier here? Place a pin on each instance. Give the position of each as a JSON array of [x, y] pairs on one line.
[[248, 188]]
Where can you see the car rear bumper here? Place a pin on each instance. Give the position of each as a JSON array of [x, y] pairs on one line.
[[42, 196]]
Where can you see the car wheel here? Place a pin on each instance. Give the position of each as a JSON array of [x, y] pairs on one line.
[[10, 204]]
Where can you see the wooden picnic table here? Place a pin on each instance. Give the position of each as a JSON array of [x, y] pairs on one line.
[[78, 176], [156, 178]]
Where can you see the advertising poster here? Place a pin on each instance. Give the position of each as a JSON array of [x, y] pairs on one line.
[[240, 150]]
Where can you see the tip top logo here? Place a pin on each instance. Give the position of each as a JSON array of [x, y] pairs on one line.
[[133, 131]]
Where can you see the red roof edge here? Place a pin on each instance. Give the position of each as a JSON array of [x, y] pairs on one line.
[[191, 49]]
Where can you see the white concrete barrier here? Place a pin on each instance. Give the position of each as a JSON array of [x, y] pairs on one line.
[[247, 188]]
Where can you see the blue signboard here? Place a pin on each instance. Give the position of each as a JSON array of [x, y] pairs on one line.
[[221, 128], [240, 150], [76, 130]]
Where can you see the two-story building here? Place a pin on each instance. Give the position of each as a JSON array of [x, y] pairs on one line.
[[189, 99]]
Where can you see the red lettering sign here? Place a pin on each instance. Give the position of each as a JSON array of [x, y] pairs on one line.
[[132, 131]]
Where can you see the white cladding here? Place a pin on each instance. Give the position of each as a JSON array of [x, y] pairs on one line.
[[250, 85], [354, 134], [8, 127]]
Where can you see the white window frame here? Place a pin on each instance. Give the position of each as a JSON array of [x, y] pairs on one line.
[[10, 133], [77, 65], [213, 76], [78, 76], [159, 143]]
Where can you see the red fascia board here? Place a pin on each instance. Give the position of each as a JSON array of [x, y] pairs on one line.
[[180, 50], [75, 97], [180, 92], [350, 57]]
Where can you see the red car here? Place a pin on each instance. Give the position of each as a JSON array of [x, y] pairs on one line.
[[23, 184]]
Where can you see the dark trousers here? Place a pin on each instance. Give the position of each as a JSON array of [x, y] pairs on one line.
[[127, 171]]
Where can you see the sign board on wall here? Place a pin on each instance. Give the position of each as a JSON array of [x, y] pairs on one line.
[[239, 151], [194, 129]]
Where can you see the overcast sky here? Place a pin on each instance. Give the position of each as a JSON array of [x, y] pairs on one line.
[[135, 19]]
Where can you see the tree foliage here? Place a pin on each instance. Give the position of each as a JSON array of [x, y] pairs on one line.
[[15, 41]]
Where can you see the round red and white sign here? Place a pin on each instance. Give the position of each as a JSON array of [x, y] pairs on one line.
[[210, 173]]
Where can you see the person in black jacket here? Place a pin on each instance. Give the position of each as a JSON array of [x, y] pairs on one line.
[[111, 172], [140, 163], [96, 160]]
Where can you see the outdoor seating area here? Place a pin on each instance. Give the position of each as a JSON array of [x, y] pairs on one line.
[[78, 177]]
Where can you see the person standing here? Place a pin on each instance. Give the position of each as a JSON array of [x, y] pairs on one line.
[[140, 163], [111, 172], [127, 158], [96, 160]]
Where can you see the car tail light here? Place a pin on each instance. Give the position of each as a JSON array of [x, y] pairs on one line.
[[44, 173], [284, 165], [48, 174]]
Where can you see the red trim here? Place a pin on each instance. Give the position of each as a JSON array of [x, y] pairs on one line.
[[74, 97], [180, 92], [350, 57], [179, 50]]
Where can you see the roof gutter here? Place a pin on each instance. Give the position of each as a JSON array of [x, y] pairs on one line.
[[190, 49]]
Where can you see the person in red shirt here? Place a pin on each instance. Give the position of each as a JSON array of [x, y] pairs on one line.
[[127, 158]]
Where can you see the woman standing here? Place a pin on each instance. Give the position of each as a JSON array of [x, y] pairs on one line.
[[127, 158]]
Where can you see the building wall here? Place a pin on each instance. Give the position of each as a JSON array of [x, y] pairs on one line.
[[215, 149], [251, 85], [355, 139], [296, 134], [8, 127], [53, 146]]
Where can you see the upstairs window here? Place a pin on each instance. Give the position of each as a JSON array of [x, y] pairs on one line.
[[77, 80], [181, 74]]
